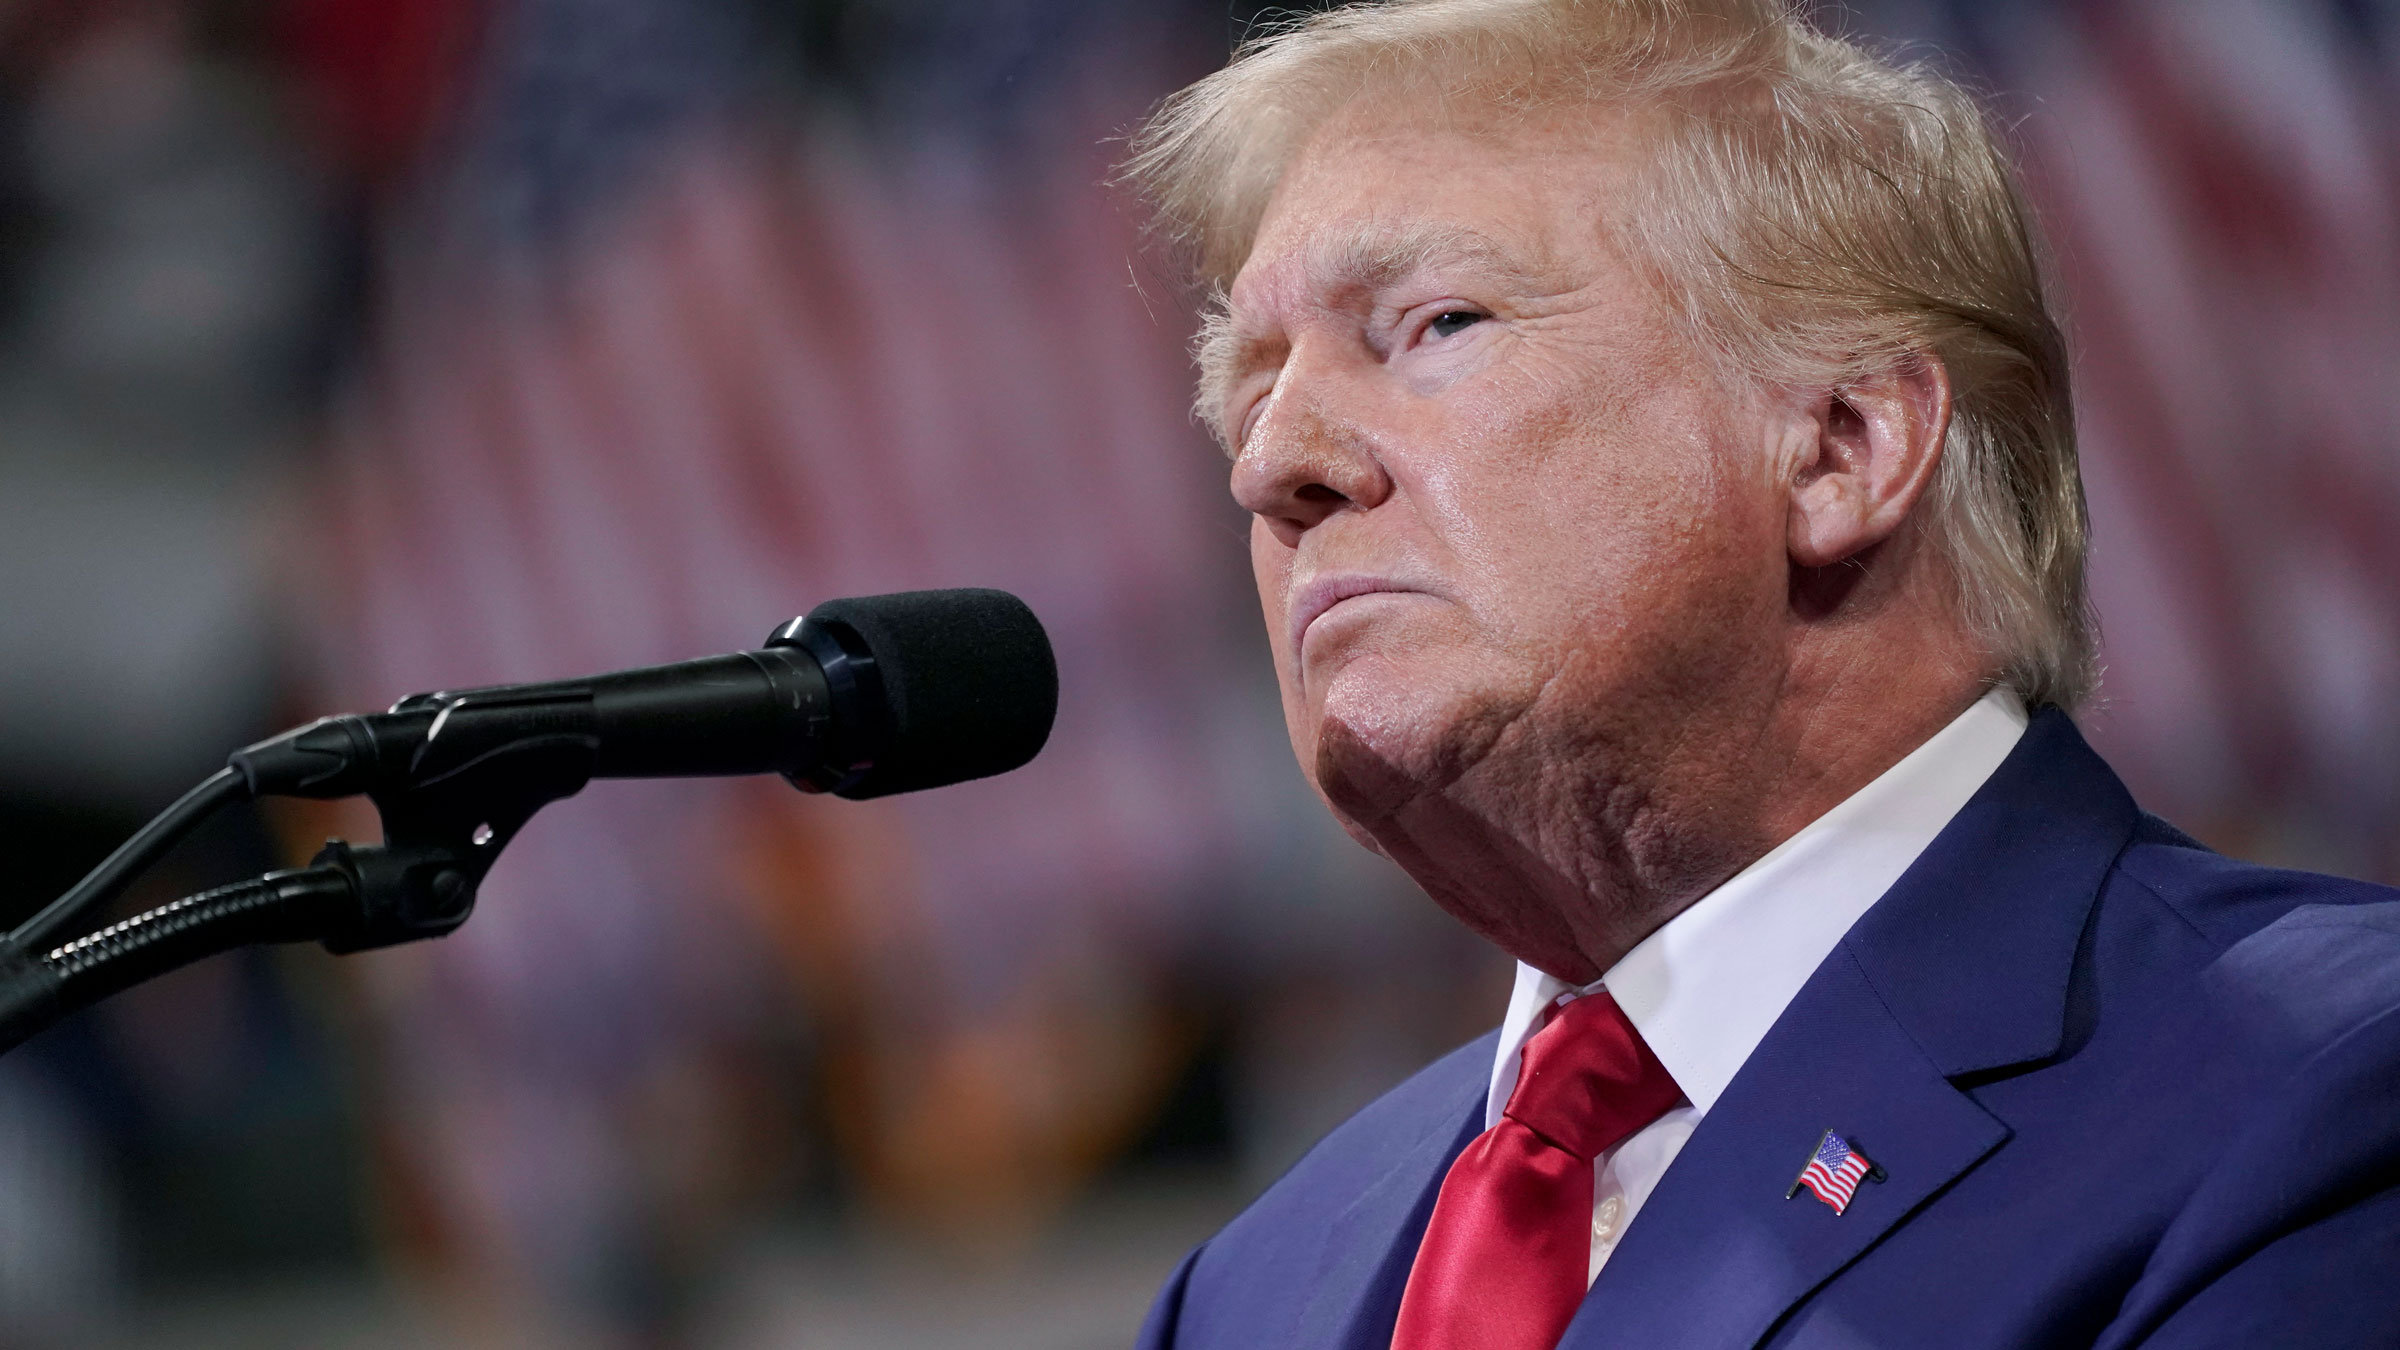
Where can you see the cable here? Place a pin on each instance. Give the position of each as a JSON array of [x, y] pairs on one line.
[[219, 790]]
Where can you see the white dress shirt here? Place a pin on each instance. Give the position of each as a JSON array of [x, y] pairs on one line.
[[1704, 988]]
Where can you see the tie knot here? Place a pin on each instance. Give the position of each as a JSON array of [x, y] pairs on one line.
[[1588, 1080]]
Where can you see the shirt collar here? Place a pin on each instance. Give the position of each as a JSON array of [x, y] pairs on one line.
[[1704, 989]]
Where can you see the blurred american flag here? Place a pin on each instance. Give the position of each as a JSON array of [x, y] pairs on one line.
[[659, 356], [2221, 181], [657, 359]]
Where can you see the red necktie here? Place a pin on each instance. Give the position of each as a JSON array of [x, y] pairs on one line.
[[1505, 1260]]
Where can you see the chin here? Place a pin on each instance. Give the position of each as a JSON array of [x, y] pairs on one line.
[[1388, 733]]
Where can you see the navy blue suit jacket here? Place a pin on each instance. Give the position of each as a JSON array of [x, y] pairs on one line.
[[2125, 1091]]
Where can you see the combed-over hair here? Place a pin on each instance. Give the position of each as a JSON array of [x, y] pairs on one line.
[[1816, 212]]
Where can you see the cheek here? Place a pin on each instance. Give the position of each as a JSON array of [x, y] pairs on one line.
[[1616, 518], [1681, 541]]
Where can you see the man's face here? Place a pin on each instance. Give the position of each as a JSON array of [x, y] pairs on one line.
[[1505, 519]]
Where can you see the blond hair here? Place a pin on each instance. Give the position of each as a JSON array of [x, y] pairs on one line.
[[1816, 213]]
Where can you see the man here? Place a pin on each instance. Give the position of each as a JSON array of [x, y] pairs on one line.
[[1666, 516]]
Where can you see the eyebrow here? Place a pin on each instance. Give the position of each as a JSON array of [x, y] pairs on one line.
[[1222, 352], [1369, 256]]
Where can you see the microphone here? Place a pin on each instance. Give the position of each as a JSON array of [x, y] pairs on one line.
[[861, 698]]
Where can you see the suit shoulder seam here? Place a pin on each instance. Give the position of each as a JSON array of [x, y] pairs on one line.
[[2168, 904]]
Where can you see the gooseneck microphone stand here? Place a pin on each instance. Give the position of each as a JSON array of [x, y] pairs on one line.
[[441, 834], [860, 698]]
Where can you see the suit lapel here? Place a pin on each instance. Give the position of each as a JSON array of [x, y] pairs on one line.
[[1962, 967], [1355, 1298], [1718, 1253]]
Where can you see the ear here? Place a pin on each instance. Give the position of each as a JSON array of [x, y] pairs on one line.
[[1877, 441]]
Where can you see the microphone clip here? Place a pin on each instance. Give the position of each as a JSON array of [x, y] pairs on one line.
[[441, 836]]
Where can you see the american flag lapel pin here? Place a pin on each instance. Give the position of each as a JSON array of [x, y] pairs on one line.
[[1834, 1171]]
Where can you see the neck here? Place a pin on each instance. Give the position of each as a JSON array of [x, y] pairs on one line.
[[1568, 852]]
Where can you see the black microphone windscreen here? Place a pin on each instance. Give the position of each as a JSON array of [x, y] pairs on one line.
[[969, 679]]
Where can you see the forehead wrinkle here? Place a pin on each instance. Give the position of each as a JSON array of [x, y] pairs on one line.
[[1367, 256], [1371, 255]]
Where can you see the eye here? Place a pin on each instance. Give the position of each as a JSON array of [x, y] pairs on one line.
[[1246, 421], [1453, 321], [1241, 435]]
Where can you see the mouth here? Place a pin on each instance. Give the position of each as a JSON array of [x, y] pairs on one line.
[[1313, 600]]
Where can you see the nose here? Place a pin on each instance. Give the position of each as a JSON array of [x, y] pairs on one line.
[[1308, 459]]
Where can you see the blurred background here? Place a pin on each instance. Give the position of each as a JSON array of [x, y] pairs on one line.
[[350, 348]]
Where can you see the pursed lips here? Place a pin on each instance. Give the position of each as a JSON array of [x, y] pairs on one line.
[[1314, 599]]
